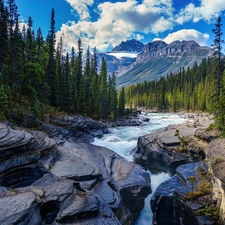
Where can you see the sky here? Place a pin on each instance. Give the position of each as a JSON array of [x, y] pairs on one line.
[[104, 24]]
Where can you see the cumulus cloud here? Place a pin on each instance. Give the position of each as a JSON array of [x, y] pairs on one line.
[[81, 7], [207, 10], [117, 22], [186, 35]]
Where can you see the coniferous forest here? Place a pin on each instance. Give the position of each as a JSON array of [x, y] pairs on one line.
[[37, 77], [200, 88]]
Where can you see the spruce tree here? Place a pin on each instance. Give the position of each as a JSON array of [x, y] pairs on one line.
[[51, 66], [113, 96], [4, 44], [121, 106], [4, 103], [79, 78], [103, 91], [217, 47]]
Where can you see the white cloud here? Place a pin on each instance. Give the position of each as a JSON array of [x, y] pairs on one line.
[[186, 35], [207, 10], [117, 22], [81, 7]]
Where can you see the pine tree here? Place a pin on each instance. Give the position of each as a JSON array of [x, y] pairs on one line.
[[113, 96], [51, 66], [15, 41], [87, 82], [217, 47], [121, 106], [4, 103], [30, 53], [103, 91], [73, 85], [79, 78], [4, 44]]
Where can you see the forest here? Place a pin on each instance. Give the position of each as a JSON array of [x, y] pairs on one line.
[[37, 77]]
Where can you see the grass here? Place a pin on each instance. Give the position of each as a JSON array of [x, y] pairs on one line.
[[200, 184]]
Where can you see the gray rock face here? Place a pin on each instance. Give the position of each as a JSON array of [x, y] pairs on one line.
[[19, 209], [129, 46], [75, 128], [71, 183], [169, 204], [175, 145], [157, 151]]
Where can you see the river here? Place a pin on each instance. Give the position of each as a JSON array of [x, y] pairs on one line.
[[123, 139]]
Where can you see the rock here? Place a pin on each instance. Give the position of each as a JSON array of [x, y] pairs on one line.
[[98, 134], [80, 128], [215, 153], [168, 148], [158, 151], [69, 183], [114, 178], [169, 202], [19, 209]]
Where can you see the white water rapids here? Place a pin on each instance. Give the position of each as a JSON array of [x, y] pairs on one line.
[[123, 139]]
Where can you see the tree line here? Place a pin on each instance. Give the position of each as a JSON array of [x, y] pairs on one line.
[[200, 88], [36, 73]]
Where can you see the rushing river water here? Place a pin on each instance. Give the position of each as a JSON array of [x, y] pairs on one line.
[[123, 139]]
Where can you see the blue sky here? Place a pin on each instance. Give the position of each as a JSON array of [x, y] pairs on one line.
[[104, 24]]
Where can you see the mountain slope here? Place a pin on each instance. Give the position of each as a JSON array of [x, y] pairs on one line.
[[159, 59], [121, 56]]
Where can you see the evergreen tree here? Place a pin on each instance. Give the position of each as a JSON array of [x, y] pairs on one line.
[[30, 41], [4, 44], [113, 96], [87, 82], [51, 66], [15, 41], [220, 116], [4, 103], [121, 106], [217, 47], [79, 78], [73, 85], [103, 91]]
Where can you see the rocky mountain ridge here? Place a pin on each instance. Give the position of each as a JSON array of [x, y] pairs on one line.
[[152, 60], [115, 64], [160, 59], [129, 46]]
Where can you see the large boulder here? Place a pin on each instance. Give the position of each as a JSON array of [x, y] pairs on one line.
[[120, 183], [168, 148], [215, 153], [186, 198], [162, 150], [42, 182], [74, 128]]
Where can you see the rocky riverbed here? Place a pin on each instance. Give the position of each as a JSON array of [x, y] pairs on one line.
[[194, 156], [53, 176]]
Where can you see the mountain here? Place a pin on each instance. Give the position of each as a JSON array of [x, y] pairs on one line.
[[160, 59], [129, 46], [121, 56]]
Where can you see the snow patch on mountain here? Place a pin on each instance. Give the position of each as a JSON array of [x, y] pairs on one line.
[[120, 55]]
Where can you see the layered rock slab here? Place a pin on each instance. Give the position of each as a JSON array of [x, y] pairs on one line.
[[75, 183], [170, 204]]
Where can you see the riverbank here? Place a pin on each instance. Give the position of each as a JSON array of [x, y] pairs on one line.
[[194, 156]]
